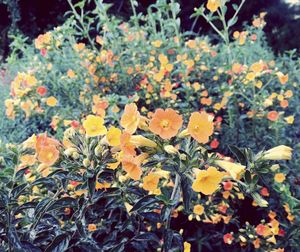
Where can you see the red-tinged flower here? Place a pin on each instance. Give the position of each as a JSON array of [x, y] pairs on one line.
[[273, 116], [75, 124], [42, 90], [281, 232], [264, 192], [43, 52], [214, 144], [227, 185], [228, 238], [222, 209]]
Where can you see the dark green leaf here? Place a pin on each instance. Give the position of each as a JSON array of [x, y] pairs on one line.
[[144, 202], [168, 237], [238, 153], [186, 188], [248, 178], [59, 244]]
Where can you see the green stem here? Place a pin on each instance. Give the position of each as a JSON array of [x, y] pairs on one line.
[[173, 195], [134, 14]]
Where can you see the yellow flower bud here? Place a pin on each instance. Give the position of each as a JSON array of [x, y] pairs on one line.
[[170, 149], [235, 170], [86, 163], [139, 141], [281, 152]]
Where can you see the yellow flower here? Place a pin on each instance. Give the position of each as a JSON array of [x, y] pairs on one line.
[[51, 101], [279, 177], [187, 247], [140, 141], [150, 182], [157, 43], [200, 126], [289, 119], [94, 126], [235, 170], [213, 5], [198, 209], [281, 152], [130, 118], [113, 136], [207, 181]]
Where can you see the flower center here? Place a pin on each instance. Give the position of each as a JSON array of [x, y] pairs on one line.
[[94, 128], [164, 123]]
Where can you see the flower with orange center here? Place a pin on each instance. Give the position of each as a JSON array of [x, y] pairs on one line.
[[48, 155], [273, 116], [207, 181], [94, 126], [165, 123], [200, 126], [132, 165], [130, 118]]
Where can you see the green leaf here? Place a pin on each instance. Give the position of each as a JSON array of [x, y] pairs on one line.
[[13, 239], [168, 237], [144, 202], [187, 192], [63, 203], [248, 178], [232, 21], [18, 190], [91, 185], [235, 6], [59, 244], [238, 153]]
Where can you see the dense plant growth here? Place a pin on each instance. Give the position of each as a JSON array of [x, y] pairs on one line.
[[136, 136]]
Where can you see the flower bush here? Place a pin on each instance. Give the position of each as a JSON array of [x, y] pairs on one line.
[[141, 137]]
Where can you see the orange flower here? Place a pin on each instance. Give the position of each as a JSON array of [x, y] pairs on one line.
[[43, 140], [132, 165], [165, 123], [46, 148], [283, 78], [130, 118], [150, 182], [127, 147], [92, 227], [284, 103], [48, 155], [200, 126], [273, 116]]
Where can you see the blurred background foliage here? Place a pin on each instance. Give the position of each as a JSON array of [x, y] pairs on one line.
[[33, 17]]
